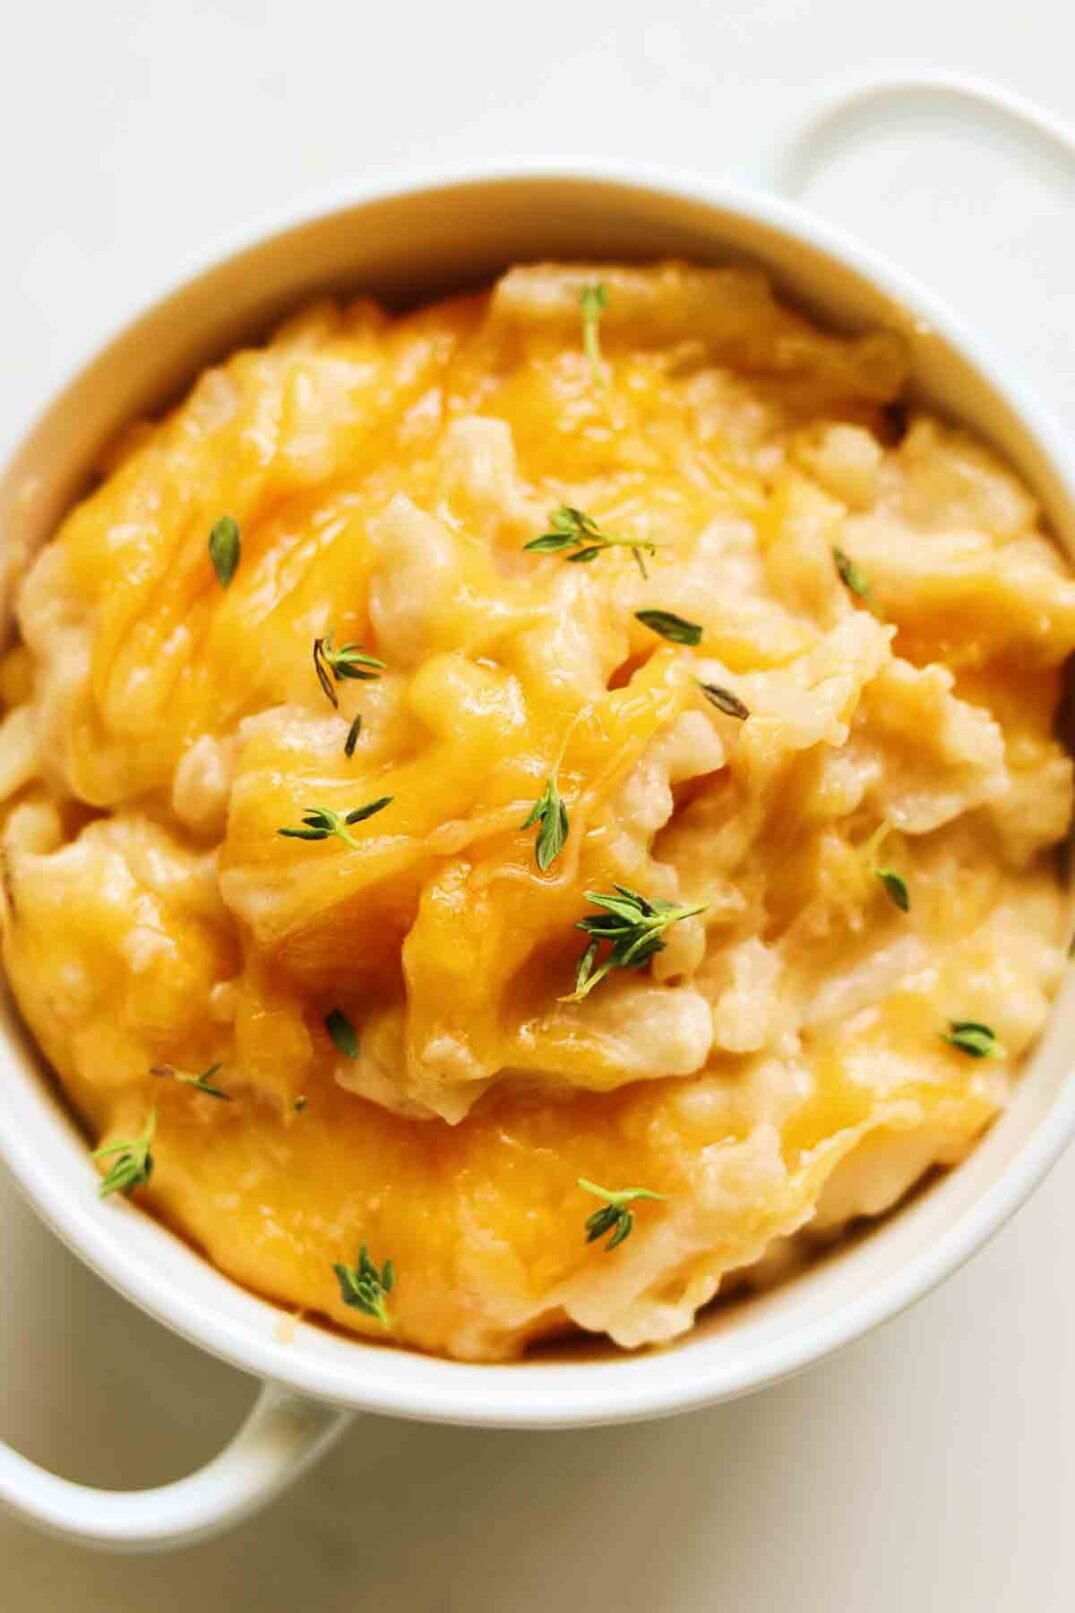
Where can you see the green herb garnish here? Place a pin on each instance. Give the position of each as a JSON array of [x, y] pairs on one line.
[[352, 736], [593, 301], [365, 1288], [224, 549], [724, 700], [895, 888], [319, 823], [550, 811], [134, 1164], [632, 925], [201, 1083], [851, 575], [673, 628], [342, 1032], [974, 1038], [574, 529], [349, 661], [893, 884], [615, 1217]]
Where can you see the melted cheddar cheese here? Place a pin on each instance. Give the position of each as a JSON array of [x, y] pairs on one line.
[[781, 1064]]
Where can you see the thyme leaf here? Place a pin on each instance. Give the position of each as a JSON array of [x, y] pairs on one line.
[[572, 529], [851, 575], [593, 300], [614, 1217], [225, 546], [365, 1288], [201, 1083], [550, 812], [319, 823], [349, 661], [631, 925], [724, 700], [133, 1164], [674, 628], [970, 1036], [342, 1032], [893, 884], [895, 888]]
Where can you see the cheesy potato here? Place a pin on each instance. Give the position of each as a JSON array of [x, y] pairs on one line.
[[520, 813]]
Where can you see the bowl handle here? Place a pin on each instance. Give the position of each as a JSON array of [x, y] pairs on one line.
[[281, 1436], [878, 103]]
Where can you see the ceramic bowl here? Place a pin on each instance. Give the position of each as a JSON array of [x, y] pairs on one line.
[[403, 242]]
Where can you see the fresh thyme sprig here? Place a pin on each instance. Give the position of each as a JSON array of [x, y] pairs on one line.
[[614, 1217], [551, 813], [225, 546], [201, 1083], [851, 575], [349, 661], [970, 1036], [632, 925], [365, 1288], [342, 1032], [134, 1161], [319, 823], [593, 300], [352, 737], [574, 529], [676, 629], [549, 809]]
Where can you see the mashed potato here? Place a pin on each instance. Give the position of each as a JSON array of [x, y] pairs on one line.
[[783, 668]]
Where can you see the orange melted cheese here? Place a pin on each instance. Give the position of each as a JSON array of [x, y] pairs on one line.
[[779, 1065]]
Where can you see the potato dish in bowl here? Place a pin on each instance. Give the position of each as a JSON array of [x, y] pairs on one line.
[[522, 813]]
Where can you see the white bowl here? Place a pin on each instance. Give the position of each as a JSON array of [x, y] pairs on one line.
[[402, 243]]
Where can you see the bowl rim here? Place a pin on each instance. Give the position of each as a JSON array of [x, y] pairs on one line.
[[527, 1394]]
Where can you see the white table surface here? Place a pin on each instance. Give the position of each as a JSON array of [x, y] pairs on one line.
[[929, 1467]]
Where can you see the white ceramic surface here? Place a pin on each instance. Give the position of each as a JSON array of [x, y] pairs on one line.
[[466, 226]]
